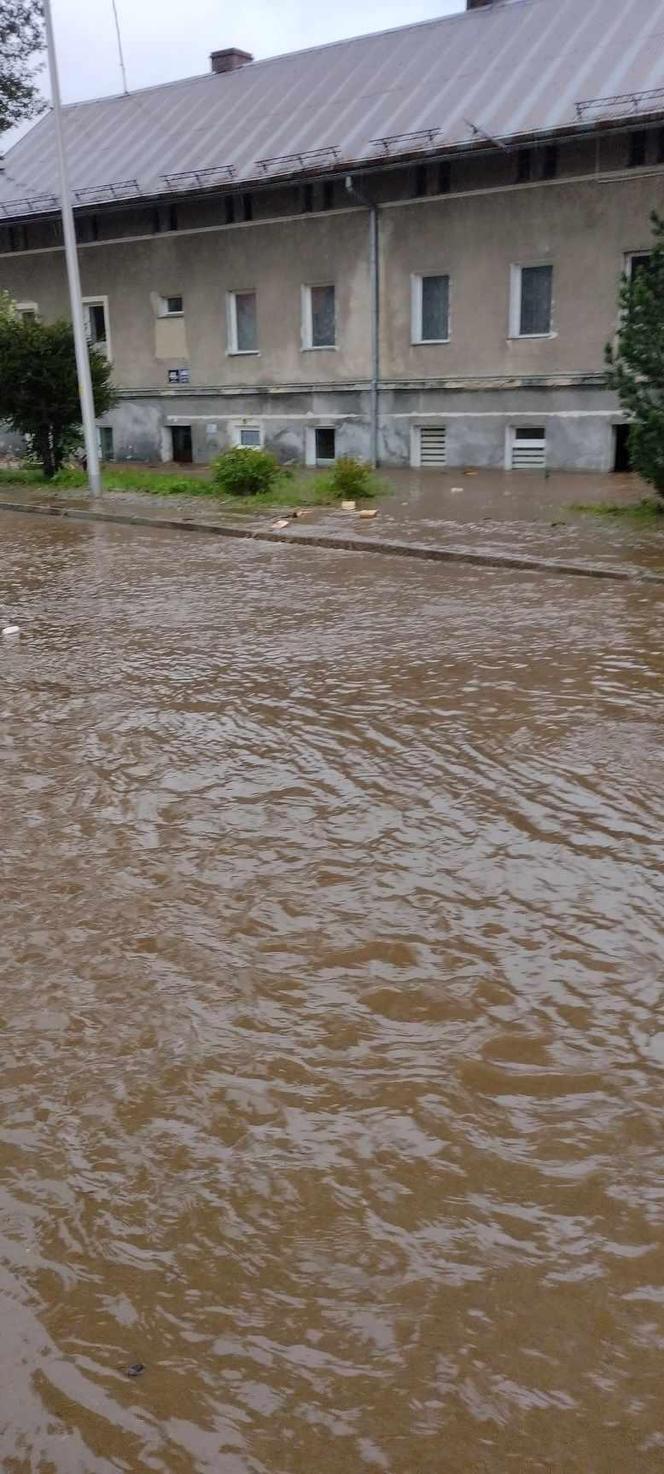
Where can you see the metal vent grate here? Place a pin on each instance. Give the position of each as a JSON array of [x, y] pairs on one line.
[[433, 445], [529, 450]]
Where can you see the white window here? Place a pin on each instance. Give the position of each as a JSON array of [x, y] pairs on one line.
[[249, 437], [28, 311], [430, 309], [531, 301], [429, 445], [526, 448], [171, 306], [319, 328], [95, 312], [242, 322]]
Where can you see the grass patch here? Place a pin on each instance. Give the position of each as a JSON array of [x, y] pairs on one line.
[[313, 490], [650, 509]]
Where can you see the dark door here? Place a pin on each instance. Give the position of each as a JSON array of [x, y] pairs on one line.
[[182, 447], [622, 460]]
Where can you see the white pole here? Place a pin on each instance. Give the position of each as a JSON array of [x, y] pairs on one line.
[[73, 273]]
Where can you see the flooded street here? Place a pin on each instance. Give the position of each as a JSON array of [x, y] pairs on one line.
[[330, 994]]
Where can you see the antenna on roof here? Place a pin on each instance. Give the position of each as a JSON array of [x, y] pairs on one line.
[[123, 69]]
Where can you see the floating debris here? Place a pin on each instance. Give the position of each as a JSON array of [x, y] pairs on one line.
[[136, 1369], [368, 512], [349, 506], [277, 526], [10, 631]]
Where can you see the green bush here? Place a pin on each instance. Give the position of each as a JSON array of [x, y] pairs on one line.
[[351, 478], [246, 471]]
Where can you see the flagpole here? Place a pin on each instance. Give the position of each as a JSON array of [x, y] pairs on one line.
[[73, 273]]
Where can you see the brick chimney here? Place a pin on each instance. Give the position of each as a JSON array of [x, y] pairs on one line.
[[229, 60]]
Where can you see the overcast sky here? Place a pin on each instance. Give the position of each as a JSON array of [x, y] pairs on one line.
[[164, 39]]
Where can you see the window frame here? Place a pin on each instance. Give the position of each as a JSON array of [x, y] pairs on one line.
[[164, 310], [628, 261], [416, 308], [307, 324], [255, 425], [105, 347], [516, 296], [232, 350], [29, 310]]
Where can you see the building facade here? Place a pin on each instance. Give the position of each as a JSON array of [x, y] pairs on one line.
[[414, 296]]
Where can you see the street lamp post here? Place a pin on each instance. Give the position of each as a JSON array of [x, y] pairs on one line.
[[73, 273]]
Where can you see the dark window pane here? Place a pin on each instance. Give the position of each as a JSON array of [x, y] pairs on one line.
[[550, 161], [435, 308], [230, 210], [174, 305], [444, 178], [323, 329], [173, 217], [328, 194], [308, 198], [96, 317], [421, 177], [637, 149], [246, 320], [247, 207], [536, 295], [523, 165], [325, 444], [106, 442], [639, 264]]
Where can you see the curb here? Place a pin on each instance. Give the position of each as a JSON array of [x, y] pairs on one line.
[[342, 544]]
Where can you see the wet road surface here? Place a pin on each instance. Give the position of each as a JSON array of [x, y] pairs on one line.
[[330, 1008]]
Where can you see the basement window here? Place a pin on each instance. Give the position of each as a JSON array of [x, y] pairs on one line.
[[27, 311], [431, 446], [95, 314], [430, 309], [242, 322], [527, 449], [171, 306], [531, 301], [250, 437]]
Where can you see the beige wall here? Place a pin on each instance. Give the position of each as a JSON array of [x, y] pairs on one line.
[[582, 228], [274, 259]]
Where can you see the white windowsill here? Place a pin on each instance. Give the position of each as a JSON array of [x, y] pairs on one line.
[[319, 348], [428, 342], [529, 337], [243, 352], [168, 316]]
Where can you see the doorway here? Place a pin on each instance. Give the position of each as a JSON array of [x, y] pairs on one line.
[[622, 460], [183, 451], [326, 445]]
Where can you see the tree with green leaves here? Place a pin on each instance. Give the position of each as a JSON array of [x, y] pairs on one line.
[[636, 360], [39, 385], [21, 37]]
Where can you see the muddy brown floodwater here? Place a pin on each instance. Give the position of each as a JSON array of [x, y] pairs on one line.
[[332, 1045]]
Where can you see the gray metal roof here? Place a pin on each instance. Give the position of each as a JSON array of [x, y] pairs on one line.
[[515, 67]]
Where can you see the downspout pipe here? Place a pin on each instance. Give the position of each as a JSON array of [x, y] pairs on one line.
[[374, 275]]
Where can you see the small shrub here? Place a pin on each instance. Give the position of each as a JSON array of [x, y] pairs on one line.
[[351, 478], [246, 471]]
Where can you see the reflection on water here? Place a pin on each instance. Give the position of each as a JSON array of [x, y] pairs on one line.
[[331, 1035]]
